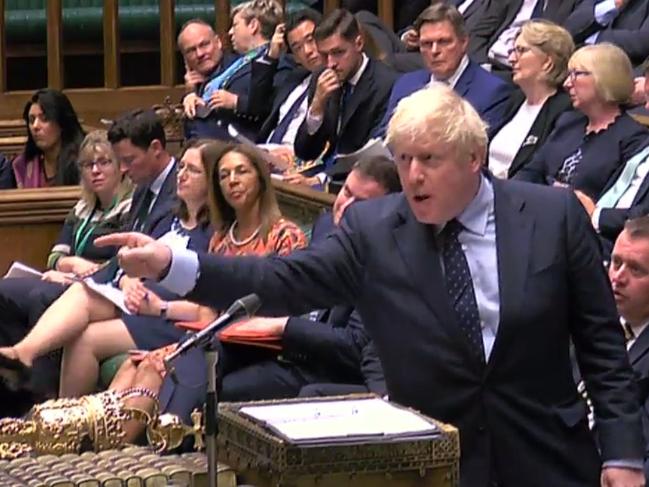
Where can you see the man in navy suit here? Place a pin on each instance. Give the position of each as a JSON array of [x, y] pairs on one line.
[[472, 289], [629, 274], [443, 43], [624, 23]]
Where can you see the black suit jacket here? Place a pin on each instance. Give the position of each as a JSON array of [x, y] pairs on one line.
[[363, 113], [270, 86], [628, 30], [494, 16], [540, 130], [339, 348], [639, 358], [552, 288]]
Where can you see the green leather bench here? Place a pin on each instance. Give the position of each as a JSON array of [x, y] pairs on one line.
[[26, 22]]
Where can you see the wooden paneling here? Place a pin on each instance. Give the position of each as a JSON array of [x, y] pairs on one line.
[[3, 50], [222, 10], [54, 44], [111, 44], [386, 12], [30, 219], [96, 103], [330, 5], [167, 43], [11, 145]]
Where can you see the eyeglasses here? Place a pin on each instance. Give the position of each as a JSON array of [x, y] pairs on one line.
[[518, 51], [573, 74], [189, 169], [100, 163]]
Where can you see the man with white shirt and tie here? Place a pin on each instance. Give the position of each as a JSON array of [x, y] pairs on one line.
[[629, 274], [498, 23], [288, 91], [625, 196]]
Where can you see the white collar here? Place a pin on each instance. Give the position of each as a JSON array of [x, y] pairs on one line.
[[157, 183], [359, 72], [452, 80]]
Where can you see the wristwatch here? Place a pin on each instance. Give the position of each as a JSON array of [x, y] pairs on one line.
[[164, 307]]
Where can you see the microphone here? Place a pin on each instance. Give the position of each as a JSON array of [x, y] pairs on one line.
[[242, 308]]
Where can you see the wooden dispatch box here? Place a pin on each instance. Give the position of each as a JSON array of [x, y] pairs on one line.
[[263, 458]]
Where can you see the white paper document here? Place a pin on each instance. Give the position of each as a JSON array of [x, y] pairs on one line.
[[373, 148], [108, 291], [18, 269], [341, 420]]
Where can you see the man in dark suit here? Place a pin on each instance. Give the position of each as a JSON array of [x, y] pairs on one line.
[[624, 23], [471, 289], [493, 29], [443, 42], [629, 274], [287, 90], [347, 100]]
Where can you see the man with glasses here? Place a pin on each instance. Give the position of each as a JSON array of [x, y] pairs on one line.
[[443, 43]]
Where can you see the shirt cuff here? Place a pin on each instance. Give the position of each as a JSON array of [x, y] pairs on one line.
[[313, 123], [635, 464], [595, 218], [183, 272], [605, 12]]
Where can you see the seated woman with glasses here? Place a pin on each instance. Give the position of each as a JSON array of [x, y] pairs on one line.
[[88, 326], [247, 221], [539, 63], [587, 146], [53, 138]]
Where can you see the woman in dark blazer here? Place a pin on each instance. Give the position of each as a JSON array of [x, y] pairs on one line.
[[539, 67], [588, 145]]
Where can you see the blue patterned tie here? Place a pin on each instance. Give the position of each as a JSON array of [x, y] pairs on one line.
[[460, 287]]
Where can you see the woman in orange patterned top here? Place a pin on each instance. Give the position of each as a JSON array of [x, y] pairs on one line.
[[246, 221]]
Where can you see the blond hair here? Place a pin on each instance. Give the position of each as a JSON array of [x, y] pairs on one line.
[[611, 69], [552, 40], [268, 13], [438, 113], [97, 142]]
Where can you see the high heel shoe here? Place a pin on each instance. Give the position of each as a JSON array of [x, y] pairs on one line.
[[15, 373]]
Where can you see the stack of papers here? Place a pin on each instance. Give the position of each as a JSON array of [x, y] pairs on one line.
[[18, 269], [341, 421]]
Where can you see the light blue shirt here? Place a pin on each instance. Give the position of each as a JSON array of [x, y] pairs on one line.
[[478, 242], [605, 12]]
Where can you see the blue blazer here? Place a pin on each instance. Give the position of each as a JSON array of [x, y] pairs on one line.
[[487, 93], [552, 288]]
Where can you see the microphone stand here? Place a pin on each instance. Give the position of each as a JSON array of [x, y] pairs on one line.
[[211, 413]]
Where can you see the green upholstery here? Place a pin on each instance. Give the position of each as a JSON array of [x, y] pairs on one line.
[[109, 368], [26, 21]]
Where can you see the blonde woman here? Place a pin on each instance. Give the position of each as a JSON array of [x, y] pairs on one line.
[[588, 145], [539, 63]]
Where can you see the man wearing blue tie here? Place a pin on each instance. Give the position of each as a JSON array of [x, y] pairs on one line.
[[472, 289]]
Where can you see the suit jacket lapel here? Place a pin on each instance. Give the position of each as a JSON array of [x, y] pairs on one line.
[[514, 231], [640, 347], [418, 249], [464, 82], [244, 70], [360, 93]]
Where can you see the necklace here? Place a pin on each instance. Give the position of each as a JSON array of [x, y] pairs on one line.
[[245, 241]]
